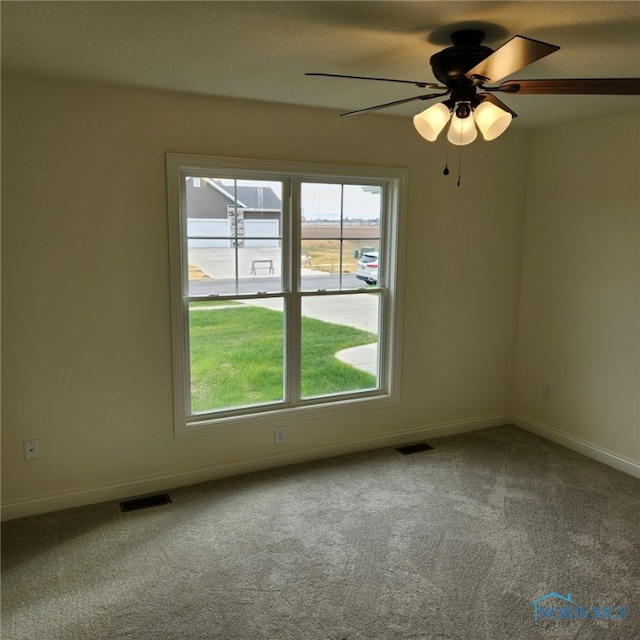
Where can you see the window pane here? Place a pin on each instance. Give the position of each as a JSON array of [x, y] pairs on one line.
[[236, 354], [339, 343], [338, 222], [234, 235], [361, 203], [321, 265], [321, 210]]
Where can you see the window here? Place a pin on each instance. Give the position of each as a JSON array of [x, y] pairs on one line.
[[270, 314]]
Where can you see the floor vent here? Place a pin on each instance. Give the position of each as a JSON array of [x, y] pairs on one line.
[[414, 448], [145, 502]]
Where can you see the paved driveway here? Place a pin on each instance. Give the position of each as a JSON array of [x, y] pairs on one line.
[[360, 312]]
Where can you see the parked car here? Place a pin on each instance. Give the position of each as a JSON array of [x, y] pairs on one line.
[[368, 267]]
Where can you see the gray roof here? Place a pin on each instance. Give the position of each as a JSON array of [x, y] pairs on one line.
[[258, 198]]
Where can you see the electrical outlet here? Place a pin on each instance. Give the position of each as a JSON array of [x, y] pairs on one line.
[[31, 449], [547, 391], [280, 435]]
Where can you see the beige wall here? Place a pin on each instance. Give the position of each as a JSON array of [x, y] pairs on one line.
[[86, 357], [579, 323], [86, 322]]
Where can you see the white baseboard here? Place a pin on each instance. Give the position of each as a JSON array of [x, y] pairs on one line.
[[165, 482], [577, 444]]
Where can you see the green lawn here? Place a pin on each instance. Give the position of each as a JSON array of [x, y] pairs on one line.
[[237, 357], [213, 303]]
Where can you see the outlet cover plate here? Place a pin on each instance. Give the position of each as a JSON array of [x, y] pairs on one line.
[[31, 449]]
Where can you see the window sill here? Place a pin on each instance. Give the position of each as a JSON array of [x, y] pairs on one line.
[[209, 425]]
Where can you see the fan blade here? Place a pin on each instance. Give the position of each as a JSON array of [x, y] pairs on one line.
[[428, 96], [509, 58], [584, 86], [422, 85], [489, 97]]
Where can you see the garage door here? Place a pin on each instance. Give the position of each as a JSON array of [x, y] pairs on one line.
[[208, 232], [258, 233]]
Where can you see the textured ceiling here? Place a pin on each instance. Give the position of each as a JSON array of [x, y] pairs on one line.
[[261, 50]]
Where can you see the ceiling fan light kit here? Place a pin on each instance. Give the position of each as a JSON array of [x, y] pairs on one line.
[[490, 119], [432, 121], [462, 130], [463, 70]]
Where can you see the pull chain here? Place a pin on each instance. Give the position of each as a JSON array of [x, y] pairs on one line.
[[446, 171], [460, 154]]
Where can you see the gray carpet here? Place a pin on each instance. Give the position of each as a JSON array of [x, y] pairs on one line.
[[454, 543]]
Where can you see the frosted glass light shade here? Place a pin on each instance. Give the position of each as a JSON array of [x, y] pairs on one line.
[[431, 121], [491, 120], [462, 130]]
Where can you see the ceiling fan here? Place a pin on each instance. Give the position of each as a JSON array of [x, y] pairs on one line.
[[464, 68]]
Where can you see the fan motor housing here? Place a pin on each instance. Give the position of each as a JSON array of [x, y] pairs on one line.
[[451, 64]]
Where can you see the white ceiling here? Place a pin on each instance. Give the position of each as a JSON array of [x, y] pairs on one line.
[[261, 50]]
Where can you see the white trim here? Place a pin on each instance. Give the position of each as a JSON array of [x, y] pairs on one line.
[[165, 482], [269, 168], [577, 444], [280, 414]]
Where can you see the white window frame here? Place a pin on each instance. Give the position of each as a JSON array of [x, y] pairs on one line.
[[391, 250]]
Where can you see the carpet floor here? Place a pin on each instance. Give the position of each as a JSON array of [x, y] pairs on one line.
[[492, 535]]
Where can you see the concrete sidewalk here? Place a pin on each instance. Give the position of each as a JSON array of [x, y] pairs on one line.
[[359, 311], [364, 357]]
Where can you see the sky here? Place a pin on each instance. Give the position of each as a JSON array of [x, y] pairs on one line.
[[320, 200]]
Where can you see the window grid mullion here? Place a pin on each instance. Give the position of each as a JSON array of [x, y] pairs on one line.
[[235, 234], [293, 331]]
